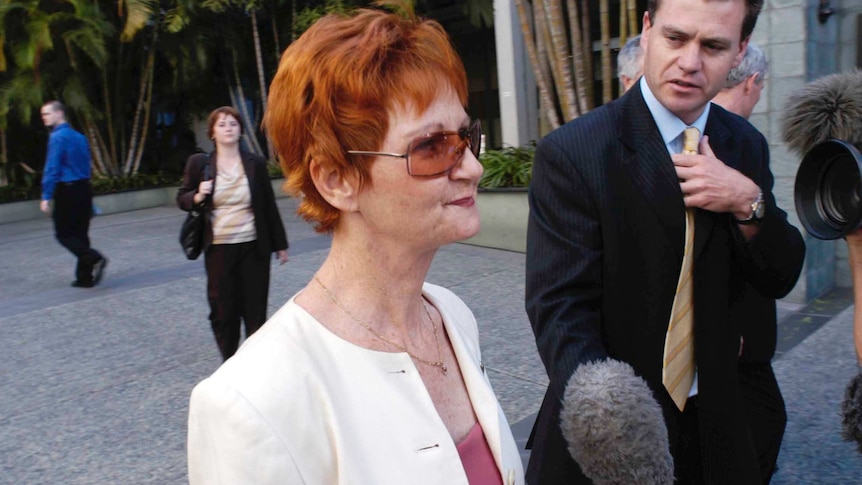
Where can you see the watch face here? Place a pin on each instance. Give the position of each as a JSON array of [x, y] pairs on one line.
[[759, 210]]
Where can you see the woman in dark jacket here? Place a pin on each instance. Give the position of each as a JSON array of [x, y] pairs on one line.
[[242, 230]]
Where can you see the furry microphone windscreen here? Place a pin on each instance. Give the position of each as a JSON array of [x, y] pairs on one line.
[[614, 426], [851, 412], [829, 107]]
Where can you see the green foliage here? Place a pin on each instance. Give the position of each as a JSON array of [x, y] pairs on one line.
[[274, 170], [508, 167], [28, 189], [109, 185], [31, 190], [310, 15]]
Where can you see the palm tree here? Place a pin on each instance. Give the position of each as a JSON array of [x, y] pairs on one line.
[[563, 70], [75, 25], [557, 41]]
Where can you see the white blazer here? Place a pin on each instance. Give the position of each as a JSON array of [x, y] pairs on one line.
[[299, 405]]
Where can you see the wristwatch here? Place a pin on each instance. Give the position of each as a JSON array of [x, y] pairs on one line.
[[758, 210]]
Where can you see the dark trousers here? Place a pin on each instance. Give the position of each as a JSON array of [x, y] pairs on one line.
[[237, 288], [688, 462], [764, 409], [73, 208]]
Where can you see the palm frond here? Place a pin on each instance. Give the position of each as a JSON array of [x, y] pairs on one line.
[[138, 14]]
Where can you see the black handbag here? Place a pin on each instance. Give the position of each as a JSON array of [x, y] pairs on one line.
[[192, 231]]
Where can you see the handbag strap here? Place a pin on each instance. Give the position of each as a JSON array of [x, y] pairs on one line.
[[207, 174]]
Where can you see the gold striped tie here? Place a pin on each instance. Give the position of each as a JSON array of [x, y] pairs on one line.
[[677, 373]]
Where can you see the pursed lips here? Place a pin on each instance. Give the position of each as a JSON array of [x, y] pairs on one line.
[[684, 84], [464, 201]]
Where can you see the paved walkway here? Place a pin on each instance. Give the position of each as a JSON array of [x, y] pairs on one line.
[[94, 383]]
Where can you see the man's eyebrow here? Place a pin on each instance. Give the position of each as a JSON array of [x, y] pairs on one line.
[[718, 41], [675, 32], [669, 30]]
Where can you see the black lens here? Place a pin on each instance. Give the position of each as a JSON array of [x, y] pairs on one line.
[[838, 199], [828, 191]]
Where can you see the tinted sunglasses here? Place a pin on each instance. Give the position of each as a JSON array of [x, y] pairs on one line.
[[436, 153]]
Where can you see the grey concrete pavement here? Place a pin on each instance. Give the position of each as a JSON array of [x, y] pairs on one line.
[[94, 383]]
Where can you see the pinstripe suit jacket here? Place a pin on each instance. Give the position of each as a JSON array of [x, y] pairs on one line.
[[604, 249]]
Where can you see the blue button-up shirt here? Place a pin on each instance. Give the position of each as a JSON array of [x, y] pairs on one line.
[[68, 159]]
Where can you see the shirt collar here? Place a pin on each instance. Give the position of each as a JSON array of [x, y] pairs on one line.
[[668, 124]]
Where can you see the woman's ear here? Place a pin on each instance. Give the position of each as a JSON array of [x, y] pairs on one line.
[[337, 187]]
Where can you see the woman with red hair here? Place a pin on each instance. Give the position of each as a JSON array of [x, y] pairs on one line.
[[369, 374]]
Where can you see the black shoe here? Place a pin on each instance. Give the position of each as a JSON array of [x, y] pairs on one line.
[[83, 284], [99, 270]]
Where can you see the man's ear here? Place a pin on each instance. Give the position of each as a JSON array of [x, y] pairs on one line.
[[741, 54], [645, 31], [749, 82], [338, 187]]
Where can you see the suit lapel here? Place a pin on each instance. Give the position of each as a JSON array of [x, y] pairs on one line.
[[650, 167]]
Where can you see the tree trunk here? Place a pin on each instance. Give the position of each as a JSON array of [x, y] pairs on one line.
[[578, 57], [261, 79], [250, 139], [109, 118], [588, 50], [139, 108], [560, 49], [541, 81], [146, 128], [4, 158], [97, 148], [605, 18], [277, 49], [623, 23]]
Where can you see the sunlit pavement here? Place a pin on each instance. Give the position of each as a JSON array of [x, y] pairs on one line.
[[94, 383]]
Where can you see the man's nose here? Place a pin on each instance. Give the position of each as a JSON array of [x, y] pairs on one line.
[[690, 58]]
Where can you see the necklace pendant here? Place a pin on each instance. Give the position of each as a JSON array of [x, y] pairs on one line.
[[444, 369]]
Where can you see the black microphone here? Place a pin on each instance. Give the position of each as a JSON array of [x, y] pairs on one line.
[[614, 426]]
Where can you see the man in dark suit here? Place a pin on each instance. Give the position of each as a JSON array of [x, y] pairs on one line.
[[611, 200], [761, 396]]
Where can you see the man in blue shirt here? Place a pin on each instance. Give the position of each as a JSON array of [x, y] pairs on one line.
[[66, 179]]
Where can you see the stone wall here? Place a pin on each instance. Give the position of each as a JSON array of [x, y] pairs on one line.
[[782, 33]]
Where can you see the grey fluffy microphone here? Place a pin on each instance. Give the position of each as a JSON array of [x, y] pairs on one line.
[[614, 426], [829, 107]]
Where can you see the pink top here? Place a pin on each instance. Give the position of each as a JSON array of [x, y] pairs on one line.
[[477, 459]]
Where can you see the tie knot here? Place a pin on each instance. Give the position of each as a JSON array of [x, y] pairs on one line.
[[690, 140]]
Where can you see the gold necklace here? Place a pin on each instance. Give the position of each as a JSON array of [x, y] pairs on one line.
[[439, 364]]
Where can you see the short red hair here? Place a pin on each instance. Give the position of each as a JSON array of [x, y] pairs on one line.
[[336, 85]]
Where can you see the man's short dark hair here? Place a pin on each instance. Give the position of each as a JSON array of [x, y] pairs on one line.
[[752, 10], [56, 106]]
